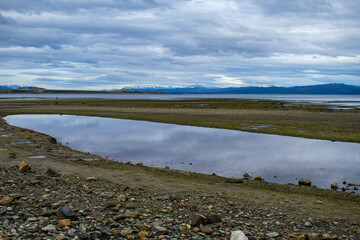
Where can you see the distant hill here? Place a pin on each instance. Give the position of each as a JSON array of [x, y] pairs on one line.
[[35, 90], [333, 88], [9, 86]]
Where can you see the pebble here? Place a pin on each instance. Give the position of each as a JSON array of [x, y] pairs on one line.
[[49, 228], [64, 222], [238, 235], [206, 229], [272, 234]]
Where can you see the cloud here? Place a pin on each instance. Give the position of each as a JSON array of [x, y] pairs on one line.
[[162, 42]]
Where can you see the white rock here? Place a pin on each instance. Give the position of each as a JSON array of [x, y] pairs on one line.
[[272, 234], [238, 235], [49, 228]]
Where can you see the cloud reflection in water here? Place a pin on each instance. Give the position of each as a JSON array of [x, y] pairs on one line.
[[224, 152]]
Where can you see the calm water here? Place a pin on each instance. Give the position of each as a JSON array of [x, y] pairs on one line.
[[335, 100], [206, 150]]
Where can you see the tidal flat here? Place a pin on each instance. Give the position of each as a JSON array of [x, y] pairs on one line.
[[262, 116], [258, 208]]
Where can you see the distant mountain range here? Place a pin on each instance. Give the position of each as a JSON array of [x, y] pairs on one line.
[[333, 88]]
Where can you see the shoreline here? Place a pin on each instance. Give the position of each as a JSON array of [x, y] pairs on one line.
[[345, 185], [118, 200]]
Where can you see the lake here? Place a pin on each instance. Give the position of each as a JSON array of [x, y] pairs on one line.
[[347, 101], [227, 153]]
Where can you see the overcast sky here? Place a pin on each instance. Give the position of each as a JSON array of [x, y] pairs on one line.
[[108, 44]]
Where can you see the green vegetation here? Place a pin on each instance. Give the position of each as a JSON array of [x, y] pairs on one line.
[[262, 116]]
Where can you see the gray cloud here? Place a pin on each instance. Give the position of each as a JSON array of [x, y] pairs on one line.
[[179, 42]]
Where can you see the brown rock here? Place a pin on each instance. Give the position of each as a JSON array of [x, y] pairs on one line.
[[23, 166], [230, 224], [111, 204], [64, 222], [213, 218], [258, 178], [334, 186], [6, 201], [52, 173], [143, 234], [125, 232], [48, 213], [12, 155], [302, 237], [315, 236], [206, 229], [198, 219], [305, 182]]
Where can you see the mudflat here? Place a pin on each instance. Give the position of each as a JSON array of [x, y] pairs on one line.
[[110, 200]]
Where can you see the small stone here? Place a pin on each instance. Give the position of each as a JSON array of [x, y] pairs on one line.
[[230, 224], [64, 222], [6, 201], [182, 205], [198, 219], [125, 232], [121, 198], [272, 234], [32, 219], [66, 212], [160, 229], [315, 236], [258, 178], [246, 175], [308, 224], [49, 228], [12, 155], [305, 182], [303, 236], [143, 234], [61, 237], [238, 235], [334, 185], [48, 213], [196, 229], [206, 229], [90, 179], [111, 204], [129, 214], [52, 173], [214, 218], [23, 166], [326, 236]]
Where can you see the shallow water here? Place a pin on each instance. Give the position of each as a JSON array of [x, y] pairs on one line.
[[224, 152], [349, 101]]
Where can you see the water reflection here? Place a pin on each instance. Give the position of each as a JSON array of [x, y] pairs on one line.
[[206, 150]]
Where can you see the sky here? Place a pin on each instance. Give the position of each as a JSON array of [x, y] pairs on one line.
[[112, 44]]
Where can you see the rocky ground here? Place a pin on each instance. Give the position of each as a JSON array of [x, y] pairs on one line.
[[56, 198]]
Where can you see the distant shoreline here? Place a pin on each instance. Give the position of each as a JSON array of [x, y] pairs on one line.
[[26, 91]]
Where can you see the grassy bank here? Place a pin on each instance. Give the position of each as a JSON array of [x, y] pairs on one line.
[[262, 116]]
